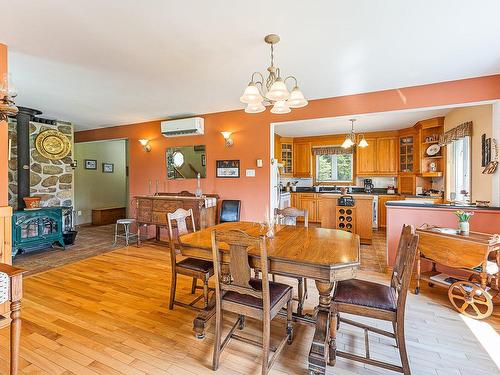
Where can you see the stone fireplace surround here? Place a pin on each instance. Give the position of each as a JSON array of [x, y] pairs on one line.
[[52, 180]]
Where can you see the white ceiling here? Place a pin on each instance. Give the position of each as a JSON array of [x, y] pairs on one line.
[[363, 124], [101, 63]]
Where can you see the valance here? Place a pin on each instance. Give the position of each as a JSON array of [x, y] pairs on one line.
[[461, 131], [330, 150]]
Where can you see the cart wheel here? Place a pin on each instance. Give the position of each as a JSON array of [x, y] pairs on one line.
[[470, 300]]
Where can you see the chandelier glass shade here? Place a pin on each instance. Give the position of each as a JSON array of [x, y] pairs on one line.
[[350, 139], [272, 90]]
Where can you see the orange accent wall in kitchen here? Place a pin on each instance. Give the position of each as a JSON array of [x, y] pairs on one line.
[[3, 137], [252, 137]]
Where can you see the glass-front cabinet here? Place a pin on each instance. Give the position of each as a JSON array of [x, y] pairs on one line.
[[287, 157], [406, 154]]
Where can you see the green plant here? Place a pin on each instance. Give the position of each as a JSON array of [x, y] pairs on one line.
[[463, 216]]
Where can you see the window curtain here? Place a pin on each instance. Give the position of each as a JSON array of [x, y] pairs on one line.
[[330, 150], [461, 131]]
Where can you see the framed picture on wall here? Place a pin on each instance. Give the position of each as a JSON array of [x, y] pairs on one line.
[[90, 164], [227, 169], [108, 168]]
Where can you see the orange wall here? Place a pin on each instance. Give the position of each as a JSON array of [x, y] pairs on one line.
[[3, 137], [252, 137]]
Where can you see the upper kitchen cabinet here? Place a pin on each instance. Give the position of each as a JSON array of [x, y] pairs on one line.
[[387, 155], [366, 158], [302, 159], [379, 158]]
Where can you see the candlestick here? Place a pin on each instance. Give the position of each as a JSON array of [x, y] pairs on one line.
[[149, 188]]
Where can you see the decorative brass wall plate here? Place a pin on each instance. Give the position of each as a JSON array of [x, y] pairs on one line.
[[52, 144]]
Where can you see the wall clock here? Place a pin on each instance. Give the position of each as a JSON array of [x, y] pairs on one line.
[[52, 144]]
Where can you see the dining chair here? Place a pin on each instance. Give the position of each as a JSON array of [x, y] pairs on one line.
[[237, 292], [230, 211], [195, 268], [288, 216], [378, 301], [11, 290]]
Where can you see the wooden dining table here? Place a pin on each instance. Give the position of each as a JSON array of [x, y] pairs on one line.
[[325, 255]]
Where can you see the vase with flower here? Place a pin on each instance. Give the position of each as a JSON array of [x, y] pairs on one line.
[[463, 220]]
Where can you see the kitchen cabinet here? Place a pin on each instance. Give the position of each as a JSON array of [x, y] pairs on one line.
[[379, 158], [387, 155], [407, 183], [302, 159], [326, 206], [308, 201], [382, 210], [366, 158]]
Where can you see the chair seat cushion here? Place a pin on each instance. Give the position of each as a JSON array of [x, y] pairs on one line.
[[365, 293], [276, 292], [196, 265]]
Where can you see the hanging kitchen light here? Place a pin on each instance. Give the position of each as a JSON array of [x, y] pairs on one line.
[[350, 139], [274, 90]]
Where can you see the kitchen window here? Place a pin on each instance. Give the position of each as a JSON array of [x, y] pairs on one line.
[[334, 168], [458, 168]]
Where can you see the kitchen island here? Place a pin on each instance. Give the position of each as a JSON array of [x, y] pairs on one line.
[[485, 219], [323, 208]]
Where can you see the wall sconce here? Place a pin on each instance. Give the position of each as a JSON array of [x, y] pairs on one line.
[[145, 144], [227, 137]]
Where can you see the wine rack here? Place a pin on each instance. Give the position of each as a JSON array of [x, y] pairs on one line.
[[346, 218]]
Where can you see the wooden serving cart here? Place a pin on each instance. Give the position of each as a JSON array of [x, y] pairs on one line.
[[475, 258]]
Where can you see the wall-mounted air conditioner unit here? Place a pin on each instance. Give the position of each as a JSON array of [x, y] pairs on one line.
[[183, 127]]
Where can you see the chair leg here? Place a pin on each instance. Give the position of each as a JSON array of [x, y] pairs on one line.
[[172, 290], [400, 334], [217, 339], [126, 234], [289, 323], [300, 291], [205, 292], [15, 334], [305, 288], [116, 234], [266, 342], [394, 327], [193, 285], [138, 235]]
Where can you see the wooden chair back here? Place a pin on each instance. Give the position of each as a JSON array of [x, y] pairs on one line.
[[180, 227], [235, 276], [403, 267], [289, 215]]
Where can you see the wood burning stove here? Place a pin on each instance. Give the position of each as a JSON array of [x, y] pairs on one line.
[[37, 229]]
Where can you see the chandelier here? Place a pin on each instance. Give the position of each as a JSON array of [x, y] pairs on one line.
[[273, 90], [350, 139], [7, 95]]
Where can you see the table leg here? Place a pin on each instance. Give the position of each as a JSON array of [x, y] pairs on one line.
[[15, 335], [318, 355], [201, 321]]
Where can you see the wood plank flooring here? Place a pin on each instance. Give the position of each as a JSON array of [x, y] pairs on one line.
[[109, 315]]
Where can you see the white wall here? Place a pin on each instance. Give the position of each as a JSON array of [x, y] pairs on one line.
[[93, 188]]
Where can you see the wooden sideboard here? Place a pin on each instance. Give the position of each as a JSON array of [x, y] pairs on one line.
[[152, 210]]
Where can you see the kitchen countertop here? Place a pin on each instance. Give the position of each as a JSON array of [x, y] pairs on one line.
[[430, 205], [357, 191]]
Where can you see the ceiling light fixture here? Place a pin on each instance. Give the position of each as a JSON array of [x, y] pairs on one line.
[[7, 95], [273, 90], [350, 139]]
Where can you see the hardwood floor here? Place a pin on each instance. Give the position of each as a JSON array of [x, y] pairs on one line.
[[109, 315]]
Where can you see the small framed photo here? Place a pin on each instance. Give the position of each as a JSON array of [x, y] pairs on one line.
[[108, 168], [227, 169], [90, 164]]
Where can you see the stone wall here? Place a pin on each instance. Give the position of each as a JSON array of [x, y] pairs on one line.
[[52, 180]]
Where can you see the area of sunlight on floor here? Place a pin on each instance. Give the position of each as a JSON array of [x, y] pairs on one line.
[[486, 335]]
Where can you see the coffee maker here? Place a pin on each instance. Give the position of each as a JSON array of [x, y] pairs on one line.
[[368, 185]]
